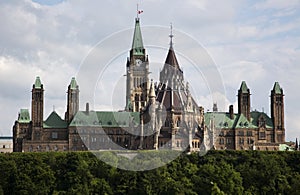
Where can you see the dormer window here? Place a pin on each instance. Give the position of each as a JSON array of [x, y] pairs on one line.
[[261, 122]]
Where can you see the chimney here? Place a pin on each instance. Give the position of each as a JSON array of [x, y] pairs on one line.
[[215, 107], [231, 114], [87, 108]]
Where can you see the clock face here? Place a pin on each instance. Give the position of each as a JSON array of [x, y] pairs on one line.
[[138, 62]]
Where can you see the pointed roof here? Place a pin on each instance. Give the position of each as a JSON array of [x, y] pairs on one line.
[[24, 116], [54, 121], [73, 84], [244, 88], [152, 90], [137, 44], [171, 59], [37, 83], [277, 89]]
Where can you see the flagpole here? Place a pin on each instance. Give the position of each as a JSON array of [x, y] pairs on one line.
[[137, 10]]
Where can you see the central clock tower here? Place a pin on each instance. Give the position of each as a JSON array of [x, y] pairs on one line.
[[137, 73]]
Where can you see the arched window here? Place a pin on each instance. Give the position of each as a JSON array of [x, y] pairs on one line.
[[136, 97], [178, 122]]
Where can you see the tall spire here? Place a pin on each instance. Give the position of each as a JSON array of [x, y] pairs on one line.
[[137, 44], [171, 59]]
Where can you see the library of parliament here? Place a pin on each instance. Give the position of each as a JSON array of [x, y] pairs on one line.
[[157, 116]]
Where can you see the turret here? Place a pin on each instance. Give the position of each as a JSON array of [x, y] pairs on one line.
[[277, 112], [37, 108], [72, 100], [244, 101]]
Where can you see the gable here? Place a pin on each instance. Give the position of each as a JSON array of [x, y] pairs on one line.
[[54, 121]]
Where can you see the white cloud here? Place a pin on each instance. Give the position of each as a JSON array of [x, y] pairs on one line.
[[277, 4]]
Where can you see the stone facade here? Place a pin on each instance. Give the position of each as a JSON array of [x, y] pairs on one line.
[[249, 130], [157, 115]]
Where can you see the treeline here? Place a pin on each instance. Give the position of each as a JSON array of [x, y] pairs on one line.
[[218, 172]]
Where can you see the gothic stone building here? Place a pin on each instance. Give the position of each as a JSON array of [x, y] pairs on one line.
[[249, 130], [161, 115], [156, 116]]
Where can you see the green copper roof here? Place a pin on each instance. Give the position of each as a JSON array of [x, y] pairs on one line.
[[106, 119], [54, 121], [223, 120], [277, 89], [24, 116], [73, 84], [244, 87], [37, 83], [255, 116], [137, 44]]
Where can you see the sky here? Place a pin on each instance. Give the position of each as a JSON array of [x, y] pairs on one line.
[[243, 40]]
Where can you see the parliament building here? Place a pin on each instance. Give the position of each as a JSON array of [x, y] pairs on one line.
[[156, 116]]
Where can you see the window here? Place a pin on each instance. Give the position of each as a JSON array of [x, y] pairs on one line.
[[75, 139], [241, 141], [229, 133], [222, 133], [221, 141], [94, 139], [225, 124], [278, 99], [262, 135], [272, 138], [249, 141], [249, 133], [178, 122], [228, 141], [54, 135], [245, 100], [55, 148], [241, 133], [262, 123]]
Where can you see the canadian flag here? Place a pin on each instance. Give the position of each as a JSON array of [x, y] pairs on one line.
[[140, 11]]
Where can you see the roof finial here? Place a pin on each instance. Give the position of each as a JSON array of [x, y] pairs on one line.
[[53, 108], [171, 35]]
